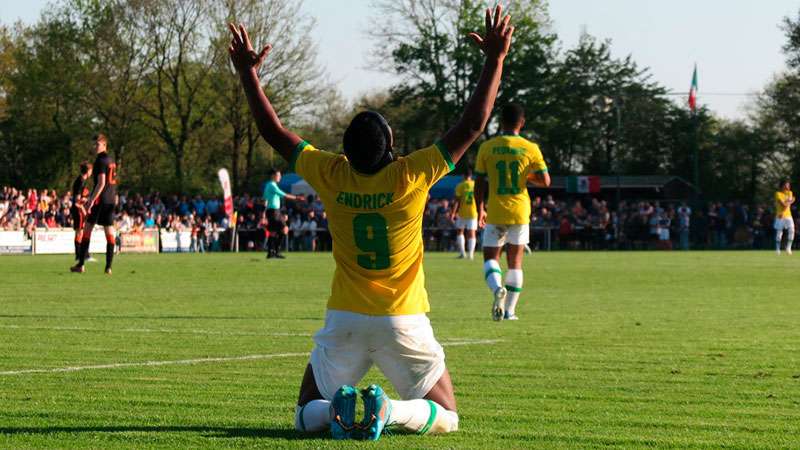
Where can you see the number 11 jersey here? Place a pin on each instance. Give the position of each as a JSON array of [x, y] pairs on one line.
[[506, 161], [376, 225]]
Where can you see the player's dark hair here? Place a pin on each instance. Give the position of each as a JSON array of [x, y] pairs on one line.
[[468, 172], [272, 172], [782, 182], [368, 142], [512, 114], [85, 167], [100, 137]]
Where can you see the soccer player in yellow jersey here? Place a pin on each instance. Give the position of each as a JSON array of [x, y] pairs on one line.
[[465, 214], [503, 168], [375, 202], [783, 216]]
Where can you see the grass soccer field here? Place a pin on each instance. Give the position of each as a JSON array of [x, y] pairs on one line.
[[614, 349]]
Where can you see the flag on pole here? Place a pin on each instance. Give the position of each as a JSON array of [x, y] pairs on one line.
[[693, 92], [583, 185], [225, 181]]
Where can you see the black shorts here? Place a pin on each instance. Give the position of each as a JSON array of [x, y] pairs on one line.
[[102, 215], [77, 218]]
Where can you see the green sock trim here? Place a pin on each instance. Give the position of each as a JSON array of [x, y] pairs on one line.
[[303, 422], [491, 271], [513, 288], [431, 419]]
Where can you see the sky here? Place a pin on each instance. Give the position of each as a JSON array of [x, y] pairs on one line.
[[736, 44]]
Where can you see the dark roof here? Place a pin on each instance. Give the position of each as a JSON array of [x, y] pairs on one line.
[[628, 182]]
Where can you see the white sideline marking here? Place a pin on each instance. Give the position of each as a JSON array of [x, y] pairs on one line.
[[155, 330], [210, 360]]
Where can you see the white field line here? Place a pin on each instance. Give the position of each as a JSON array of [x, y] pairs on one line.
[[153, 330], [178, 362]]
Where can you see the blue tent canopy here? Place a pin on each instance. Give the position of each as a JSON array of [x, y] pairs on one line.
[[444, 188]]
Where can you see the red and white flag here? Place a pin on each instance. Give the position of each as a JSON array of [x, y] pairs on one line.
[[225, 181]]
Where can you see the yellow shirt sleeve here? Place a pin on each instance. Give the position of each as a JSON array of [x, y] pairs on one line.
[[312, 164], [427, 166], [537, 164]]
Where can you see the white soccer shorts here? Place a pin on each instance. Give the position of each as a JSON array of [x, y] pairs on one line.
[[466, 224], [783, 224], [403, 348], [498, 235]]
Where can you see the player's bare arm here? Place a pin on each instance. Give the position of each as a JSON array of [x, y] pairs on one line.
[[481, 187], [247, 61], [539, 179], [454, 212], [494, 44], [98, 189]]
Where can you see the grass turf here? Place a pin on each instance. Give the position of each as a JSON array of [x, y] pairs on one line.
[[684, 350]]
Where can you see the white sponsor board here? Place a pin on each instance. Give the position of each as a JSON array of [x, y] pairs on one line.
[[14, 242], [175, 241], [62, 242]]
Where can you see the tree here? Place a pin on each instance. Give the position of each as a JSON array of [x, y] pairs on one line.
[[291, 74]]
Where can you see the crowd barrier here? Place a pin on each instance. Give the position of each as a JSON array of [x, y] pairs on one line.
[[15, 243], [175, 241], [61, 241]]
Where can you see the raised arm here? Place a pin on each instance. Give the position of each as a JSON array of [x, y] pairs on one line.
[[494, 44], [246, 61]]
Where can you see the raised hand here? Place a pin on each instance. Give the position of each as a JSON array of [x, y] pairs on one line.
[[497, 40], [241, 50]]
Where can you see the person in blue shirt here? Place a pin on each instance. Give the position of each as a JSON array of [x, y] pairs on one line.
[[273, 194], [272, 199]]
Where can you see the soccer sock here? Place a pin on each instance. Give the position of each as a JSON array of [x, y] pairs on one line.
[[471, 247], [789, 239], [78, 248], [493, 274], [84, 250], [514, 286], [460, 244], [313, 416], [423, 417], [778, 239], [110, 244]]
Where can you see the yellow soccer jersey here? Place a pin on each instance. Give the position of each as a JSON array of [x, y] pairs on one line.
[[783, 212], [465, 193], [376, 225], [506, 161]]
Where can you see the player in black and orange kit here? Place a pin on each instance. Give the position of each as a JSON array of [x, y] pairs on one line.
[[78, 209], [103, 199]]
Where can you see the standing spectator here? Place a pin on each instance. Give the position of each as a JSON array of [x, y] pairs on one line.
[[684, 222], [309, 229]]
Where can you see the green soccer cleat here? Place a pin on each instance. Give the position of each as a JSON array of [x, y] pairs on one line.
[[377, 410], [343, 411], [499, 305]]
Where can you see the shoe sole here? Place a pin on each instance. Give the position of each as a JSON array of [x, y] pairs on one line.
[[344, 413], [498, 308], [372, 426]]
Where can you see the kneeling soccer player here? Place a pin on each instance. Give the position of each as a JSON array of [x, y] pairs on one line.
[[375, 202]]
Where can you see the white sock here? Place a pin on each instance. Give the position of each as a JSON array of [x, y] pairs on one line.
[[314, 416], [789, 239], [493, 274], [514, 286], [423, 416], [460, 244], [471, 247]]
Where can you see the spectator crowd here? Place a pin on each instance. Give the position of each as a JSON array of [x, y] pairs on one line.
[[586, 223]]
